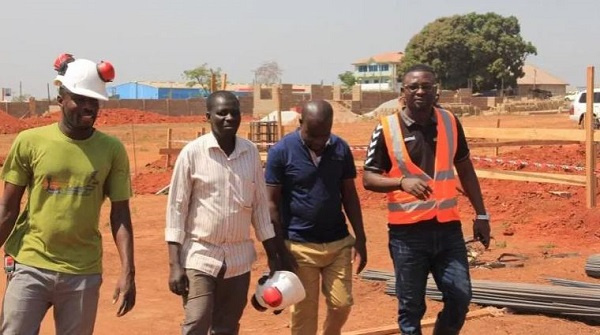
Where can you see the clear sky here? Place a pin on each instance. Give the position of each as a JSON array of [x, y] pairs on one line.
[[312, 40]]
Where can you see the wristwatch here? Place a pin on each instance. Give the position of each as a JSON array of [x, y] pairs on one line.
[[485, 216]]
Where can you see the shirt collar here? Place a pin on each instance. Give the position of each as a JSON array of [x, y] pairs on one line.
[[328, 143], [409, 121], [211, 142]]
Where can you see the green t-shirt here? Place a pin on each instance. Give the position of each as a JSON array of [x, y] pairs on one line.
[[67, 181]]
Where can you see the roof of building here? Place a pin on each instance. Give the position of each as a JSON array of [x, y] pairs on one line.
[[386, 57], [536, 76], [167, 84]]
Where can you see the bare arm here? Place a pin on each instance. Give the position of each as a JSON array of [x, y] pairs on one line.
[[10, 205], [377, 182], [352, 208], [287, 260], [122, 231], [470, 184]]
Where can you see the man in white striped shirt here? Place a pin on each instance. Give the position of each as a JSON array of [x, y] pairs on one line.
[[217, 192]]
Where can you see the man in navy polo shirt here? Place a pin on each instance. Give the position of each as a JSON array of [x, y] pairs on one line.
[[310, 177]]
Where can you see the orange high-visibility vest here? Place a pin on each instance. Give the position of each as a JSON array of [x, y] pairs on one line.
[[404, 208]]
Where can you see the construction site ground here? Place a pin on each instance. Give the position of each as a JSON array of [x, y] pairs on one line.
[[540, 221]]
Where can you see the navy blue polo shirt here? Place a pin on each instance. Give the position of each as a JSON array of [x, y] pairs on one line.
[[311, 199]]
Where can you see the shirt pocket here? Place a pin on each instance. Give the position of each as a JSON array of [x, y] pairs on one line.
[[244, 192]]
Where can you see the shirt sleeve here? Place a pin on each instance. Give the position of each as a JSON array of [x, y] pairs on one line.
[[462, 148], [275, 168], [17, 168], [261, 219], [349, 166], [118, 181], [179, 199], [378, 159]]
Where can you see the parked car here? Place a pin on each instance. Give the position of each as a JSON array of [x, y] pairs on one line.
[[571, 95], [578, 107]]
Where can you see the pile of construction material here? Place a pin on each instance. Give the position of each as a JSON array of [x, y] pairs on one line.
[[568, 300], [592, 266]]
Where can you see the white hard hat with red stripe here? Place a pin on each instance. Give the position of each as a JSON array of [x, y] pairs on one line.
[[83, 77]]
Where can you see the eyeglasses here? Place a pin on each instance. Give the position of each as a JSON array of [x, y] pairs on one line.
[[413, 88]]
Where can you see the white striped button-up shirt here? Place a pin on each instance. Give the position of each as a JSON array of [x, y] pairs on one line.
[[213, 200]]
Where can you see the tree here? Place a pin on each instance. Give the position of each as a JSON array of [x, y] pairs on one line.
[[484, 51], [348, 79], [268, 73], [202, 76]]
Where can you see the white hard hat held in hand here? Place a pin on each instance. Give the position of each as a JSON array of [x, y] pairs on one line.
[[283, 289], [83, 77]]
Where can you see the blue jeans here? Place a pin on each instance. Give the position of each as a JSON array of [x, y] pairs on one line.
[[438, 248]]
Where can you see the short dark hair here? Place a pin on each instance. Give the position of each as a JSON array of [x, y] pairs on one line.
[[226, 95], [419, 68]]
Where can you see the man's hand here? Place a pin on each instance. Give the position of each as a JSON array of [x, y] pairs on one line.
[[359, 251], [481, 231], [416, 187], [126, 287], [275, 264], [178, 280]]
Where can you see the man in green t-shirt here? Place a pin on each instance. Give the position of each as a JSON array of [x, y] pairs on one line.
[[68, 169]]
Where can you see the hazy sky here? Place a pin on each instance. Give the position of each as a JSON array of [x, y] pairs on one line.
[[312, 40]]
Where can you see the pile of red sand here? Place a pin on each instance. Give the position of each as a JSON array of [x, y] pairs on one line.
[[571, 155], [10, 124], [153, 177], [106, 117]]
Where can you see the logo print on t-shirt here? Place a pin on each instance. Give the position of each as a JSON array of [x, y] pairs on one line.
[[55, 186]]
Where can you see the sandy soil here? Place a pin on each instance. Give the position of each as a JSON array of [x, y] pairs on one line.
[[542, 225]]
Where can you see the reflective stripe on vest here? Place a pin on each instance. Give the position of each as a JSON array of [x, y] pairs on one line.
[[404, 208]]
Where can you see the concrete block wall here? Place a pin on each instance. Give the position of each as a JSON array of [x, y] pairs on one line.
[[321, 92]]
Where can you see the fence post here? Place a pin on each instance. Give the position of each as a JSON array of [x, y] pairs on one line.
[[497, 148], [168, 159], [590, 145]]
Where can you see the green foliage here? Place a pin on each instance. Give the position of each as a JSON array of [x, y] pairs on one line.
[[201, 76], [484, 50], [347, 78]]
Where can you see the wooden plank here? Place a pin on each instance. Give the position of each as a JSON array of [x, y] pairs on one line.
[[169, 138], [528, 134], [429, 322], [169, 151], [537, 177], [590, 147], [497, 148], [517, 143]]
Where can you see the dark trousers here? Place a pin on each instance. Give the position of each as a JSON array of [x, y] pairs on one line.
[[214, 304], [419, 249]]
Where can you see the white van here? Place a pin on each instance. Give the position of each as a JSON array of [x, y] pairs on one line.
[[578, 107]]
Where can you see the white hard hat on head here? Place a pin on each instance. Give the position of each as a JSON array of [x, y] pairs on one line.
[[83, 77]]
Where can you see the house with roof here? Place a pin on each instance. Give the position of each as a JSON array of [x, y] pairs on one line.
[[539, 80], [378, 72], [155, 90]]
